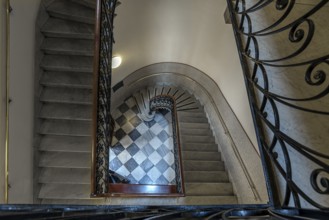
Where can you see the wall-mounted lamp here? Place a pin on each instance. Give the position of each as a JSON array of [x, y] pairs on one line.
[[116, 61]]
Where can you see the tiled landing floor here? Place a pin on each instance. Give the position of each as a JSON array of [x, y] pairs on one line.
[[142, 151]]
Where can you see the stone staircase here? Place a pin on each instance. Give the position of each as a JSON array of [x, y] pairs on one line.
[[65, 121], [65, 115]]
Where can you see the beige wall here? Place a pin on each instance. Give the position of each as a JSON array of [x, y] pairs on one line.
[[2, 95], [21, 92]]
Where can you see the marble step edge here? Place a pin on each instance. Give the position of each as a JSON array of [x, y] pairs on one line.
[[67, 46], [65, 159], [201, 156], [67, 29], [61, 143], [69, 10], [78, 191]]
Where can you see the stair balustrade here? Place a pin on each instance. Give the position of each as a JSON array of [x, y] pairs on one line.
[[284, 52], [102, 120]]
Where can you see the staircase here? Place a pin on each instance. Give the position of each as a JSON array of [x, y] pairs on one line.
[[65, 121], [65, 116]]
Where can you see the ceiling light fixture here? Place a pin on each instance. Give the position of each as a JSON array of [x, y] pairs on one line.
[[116, 61]]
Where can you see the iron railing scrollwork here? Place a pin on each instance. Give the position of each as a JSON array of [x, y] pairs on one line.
[[103, 122], [284, 52], [167, 102]]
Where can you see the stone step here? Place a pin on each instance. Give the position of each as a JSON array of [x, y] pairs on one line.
[[192, 119], [66, 111], [150, 201], [188, 200], [196, 165], [67, 79], [206, 156], [65, 191], [55, 27], [205, 177], [71, 11], [66, 95], [65, 127], [96, 201], [200, 147], [202, 132], [184, 125], [199, 114], [88, 3], [65, 143], [65, 175], [197, 139], [208, 189], [63, 46], [188, 106], [80, 64], [65, 159]]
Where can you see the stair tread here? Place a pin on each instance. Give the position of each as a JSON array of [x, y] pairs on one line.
[[183, 125], [205, 177], [65, 46], [66, 111], [67, 79], [193, 119], [65, 191], [204, 189], [65, 143], [65, 127], [204, 147], [55, 27], [65, 159], [66, 63], [191, 131], [188, 200], [81, 192], [205, 156], [197, 165], [199, 114], [71, 11], [197, 139], [67, 95], [88, 3], [65, 175]]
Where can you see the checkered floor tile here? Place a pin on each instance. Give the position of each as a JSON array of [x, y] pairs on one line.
[[142, 151]]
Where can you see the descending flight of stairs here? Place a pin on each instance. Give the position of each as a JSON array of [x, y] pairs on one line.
[[65, 120]]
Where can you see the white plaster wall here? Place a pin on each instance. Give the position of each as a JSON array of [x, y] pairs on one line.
[[2, 95], [21, 92]]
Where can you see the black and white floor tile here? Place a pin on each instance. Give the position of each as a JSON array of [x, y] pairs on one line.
[[142, 151]]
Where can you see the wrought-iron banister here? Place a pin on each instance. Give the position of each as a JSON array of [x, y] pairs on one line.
[[168, 102], [102, 120], [284, 52], [183, 212]]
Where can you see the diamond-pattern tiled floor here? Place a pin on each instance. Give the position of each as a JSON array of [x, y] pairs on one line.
[[142, 151]]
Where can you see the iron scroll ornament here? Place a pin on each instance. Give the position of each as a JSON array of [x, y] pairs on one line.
[[269, 105]]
